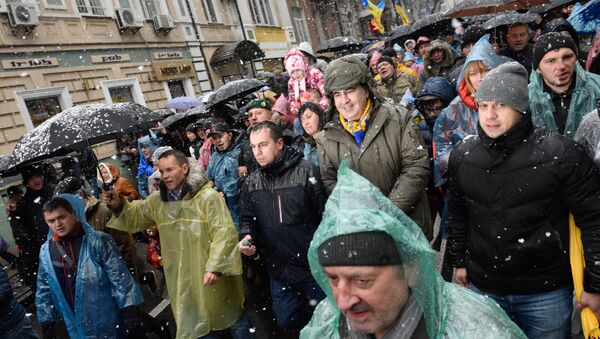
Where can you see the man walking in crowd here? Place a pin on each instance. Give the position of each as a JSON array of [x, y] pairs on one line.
[[380, 274], [82, 277], [201, 261], [510, 241], [518, 47], [283, 203], [393, 83], [561, 92], [378, 138], [27, 223], [258, 110]]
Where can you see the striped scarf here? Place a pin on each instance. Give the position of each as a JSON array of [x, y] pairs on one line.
[[358, 128]]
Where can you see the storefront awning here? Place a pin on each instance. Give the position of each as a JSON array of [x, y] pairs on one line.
[[244, 50]]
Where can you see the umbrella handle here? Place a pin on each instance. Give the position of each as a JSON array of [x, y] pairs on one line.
[[96, 162]]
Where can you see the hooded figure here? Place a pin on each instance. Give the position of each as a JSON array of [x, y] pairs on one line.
[[122, 186], [103, 285], [145, 168], [460, 118], [441, 68], [313, 78], [313, 61], [448, 310], [197, 235]]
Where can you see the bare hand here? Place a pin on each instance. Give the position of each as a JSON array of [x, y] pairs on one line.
[[591, 300], [210, 278], [109, 197], [247, 250], [242, 171], [11, 205], [461, 277], [161, 128]]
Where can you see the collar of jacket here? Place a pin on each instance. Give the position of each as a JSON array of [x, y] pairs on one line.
[[378, 120], [288, 158], [196, 178], [508, 142]]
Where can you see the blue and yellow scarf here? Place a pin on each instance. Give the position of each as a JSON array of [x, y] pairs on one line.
[[358, 128]]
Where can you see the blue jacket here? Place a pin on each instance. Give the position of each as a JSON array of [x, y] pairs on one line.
[[104, 285], [222, 170], [11, 312]]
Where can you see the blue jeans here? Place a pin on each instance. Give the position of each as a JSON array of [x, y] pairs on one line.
[[289, 302], [544, 315], [239, 330], [23, 330]]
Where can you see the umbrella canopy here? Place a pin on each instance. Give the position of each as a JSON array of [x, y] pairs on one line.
[[586, 19], [162, 113], [481, 7], [431, 24], [76, 127], [183, 103], [404, 31], [339, 43], [541, 9], [234, 90], [184, 118], [509, 18]]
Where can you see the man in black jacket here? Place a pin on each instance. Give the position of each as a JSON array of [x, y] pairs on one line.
[[511, 191], [518, 47], [283, 203]]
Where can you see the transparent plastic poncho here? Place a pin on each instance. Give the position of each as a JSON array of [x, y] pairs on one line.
[[588, 134], [450, 311]]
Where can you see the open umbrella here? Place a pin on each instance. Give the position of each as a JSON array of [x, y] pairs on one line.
[[481, 7], [339, 43], [234, 90], [162, 113], [184, 118], [77, 127], [404, 31], [544, 8], [183, 103], [586, 19], [509, 18], [431, 24]]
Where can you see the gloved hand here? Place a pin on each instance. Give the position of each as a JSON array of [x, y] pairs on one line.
[[48, 331], [132, 321]]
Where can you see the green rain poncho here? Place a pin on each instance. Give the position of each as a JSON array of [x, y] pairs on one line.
[[197, 235], [450, 311]]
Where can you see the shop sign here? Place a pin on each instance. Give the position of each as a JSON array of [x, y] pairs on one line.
[[106, 58], [168, 55], [169, 70], [29, 63]]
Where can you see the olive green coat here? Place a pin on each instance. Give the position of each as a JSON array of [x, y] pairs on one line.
[[391, 158]]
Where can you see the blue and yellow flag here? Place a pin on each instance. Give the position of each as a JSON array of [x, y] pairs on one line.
[[400, 11], [376, 10]]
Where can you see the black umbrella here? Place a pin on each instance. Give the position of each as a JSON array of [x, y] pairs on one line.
[[509, 18], [541, 9], [481, 7], [339, 43], [4, 168], [234, 90], [184, 118], [78, 127], [162, 113], [404, 31]]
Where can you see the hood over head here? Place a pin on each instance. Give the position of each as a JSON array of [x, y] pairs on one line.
[[77, 203], [306, 48], [449, 55], [481, 51], [151, 141], [107, 167], [356, 206], [435, 88]]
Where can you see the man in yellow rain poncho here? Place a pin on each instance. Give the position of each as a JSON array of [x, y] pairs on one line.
[[199, 247]]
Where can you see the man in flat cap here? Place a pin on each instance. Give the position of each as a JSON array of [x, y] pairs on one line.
[[378, 138], [379, 273]]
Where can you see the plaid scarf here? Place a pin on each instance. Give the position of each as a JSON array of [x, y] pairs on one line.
[[358, 128]]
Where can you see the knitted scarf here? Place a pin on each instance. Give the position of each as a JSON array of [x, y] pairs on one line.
[[358, 128]]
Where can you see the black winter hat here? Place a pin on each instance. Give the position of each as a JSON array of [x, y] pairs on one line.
[[550, 42], [472, 35], [385, 59], [69, 185], [388, 52], [30, 172], [373, 248]]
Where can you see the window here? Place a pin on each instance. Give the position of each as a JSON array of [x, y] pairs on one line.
[[91, 7], [261, 12], [182, 8], [124, 4], [123, 90], [58, 4], [300, 24], [37, 105], [151, 8], [230, 78], [209, 11], [178, 88]]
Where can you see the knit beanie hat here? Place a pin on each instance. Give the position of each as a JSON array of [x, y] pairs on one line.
[[69, 185], [385, 59], [345, 72], [293, 63], [374, 57], [505, 84], [375, 248], [409, 56], [159, 151], [549, 42]]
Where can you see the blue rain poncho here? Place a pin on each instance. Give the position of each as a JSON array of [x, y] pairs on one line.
[[449, 310], [104, 285]]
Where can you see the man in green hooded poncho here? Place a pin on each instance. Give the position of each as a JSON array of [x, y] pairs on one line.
[[379, 274]]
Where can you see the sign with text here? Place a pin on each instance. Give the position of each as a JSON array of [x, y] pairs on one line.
[[169, 70], [29, 63], [106, 58], [168, 55]]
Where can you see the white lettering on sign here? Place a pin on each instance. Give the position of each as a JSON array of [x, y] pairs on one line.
[[29, 63]]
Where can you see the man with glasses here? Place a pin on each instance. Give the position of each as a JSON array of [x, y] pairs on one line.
[[518, 47]]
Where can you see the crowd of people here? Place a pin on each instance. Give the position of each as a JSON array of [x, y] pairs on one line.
[[309, 211]]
